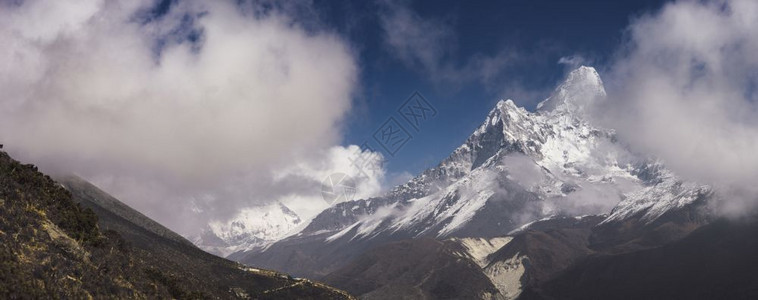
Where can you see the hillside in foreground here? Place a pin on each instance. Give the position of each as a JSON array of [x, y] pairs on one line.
[[59, 244]]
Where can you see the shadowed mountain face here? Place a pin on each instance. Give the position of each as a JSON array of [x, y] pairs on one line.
[[83, 243], [419, 268], [717, 261], [499, 268], [113, 214]]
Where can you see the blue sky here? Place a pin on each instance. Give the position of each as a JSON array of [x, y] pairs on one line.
[[532, 35]]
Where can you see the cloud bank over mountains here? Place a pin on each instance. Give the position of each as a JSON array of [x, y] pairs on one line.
[[194, 101], [195, 110], [685, 88]]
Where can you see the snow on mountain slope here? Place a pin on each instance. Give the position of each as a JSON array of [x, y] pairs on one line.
[[668, 194], [252, 228], [519, 166], [525, 196]]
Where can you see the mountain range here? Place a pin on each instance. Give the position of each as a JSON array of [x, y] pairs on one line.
[[544, 204], [526, 197]]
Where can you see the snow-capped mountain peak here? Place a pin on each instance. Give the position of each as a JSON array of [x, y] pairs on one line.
[[518, 166], [521, 174], [251, 228], [582, 87]]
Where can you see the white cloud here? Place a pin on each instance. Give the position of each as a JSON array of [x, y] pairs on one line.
[[174, 124], [362, 166], [684, 88]]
